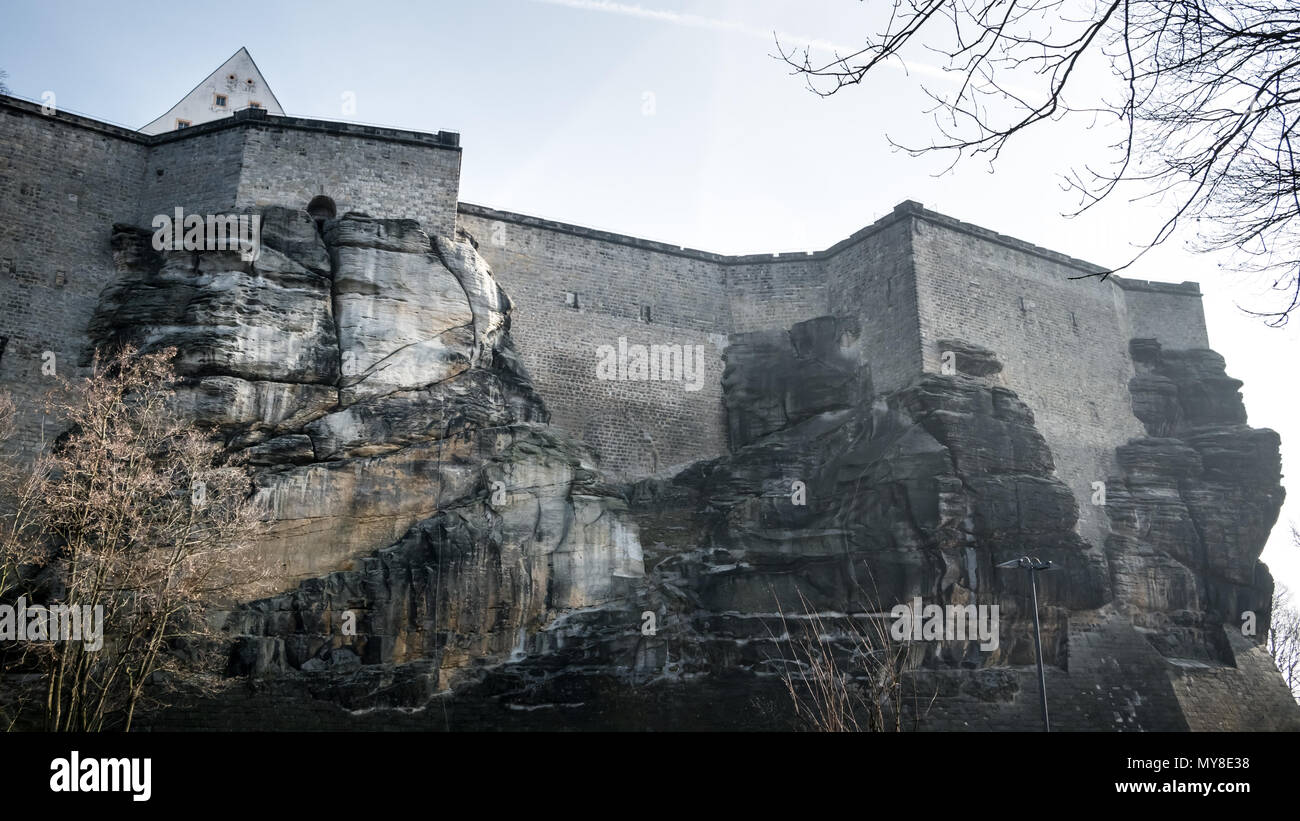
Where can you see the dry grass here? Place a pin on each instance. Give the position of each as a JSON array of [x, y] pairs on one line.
[[866, 691]]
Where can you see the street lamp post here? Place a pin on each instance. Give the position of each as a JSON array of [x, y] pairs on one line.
[[1032, 567]]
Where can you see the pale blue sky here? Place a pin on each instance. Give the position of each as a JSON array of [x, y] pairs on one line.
[[729, 154]]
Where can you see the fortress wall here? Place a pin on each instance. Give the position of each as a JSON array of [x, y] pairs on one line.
[[912, 278], [381, 172], [1063, 343], [774, 292], [64, 180], [870, 275], [197, 172], [1170, 313], [638, 427]]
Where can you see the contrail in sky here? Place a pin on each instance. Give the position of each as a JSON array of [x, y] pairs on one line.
[[678, 18], [699, 21]]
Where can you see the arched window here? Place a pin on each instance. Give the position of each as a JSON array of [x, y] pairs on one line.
[[321, 208]]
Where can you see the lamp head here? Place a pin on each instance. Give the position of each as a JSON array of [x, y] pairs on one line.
[[1027, 563]]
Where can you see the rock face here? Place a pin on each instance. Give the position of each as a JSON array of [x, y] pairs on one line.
[[1193, 505], [920, 493], [449, 561], [858, 505], [466, 585], [367, 372]]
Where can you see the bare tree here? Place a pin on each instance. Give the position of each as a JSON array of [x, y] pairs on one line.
[[1202, 98], [1284, 632], [1284, 638], [133, 512]]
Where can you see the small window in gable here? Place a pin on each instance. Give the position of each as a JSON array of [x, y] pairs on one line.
[[183, 123], [220, 100], [254, 104]]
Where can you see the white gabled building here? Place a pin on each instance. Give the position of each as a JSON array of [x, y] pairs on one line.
[[236, 84]]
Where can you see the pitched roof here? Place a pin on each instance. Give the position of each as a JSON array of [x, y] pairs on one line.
[[238, 80]]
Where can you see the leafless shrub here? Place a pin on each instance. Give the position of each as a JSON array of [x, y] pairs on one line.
[[853, 679], [1284, 632], [133, 510]]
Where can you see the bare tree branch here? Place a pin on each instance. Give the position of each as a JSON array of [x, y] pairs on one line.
[[1208, 105]]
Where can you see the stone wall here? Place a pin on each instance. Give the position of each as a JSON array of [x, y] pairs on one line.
[[910, 280], [198, 172], [577, 288], [1165, 311], [574, 290], [767, 292], [381, 172], [1247, 697], [64, 180], [1063, 342], [913, 278], [871, 275]]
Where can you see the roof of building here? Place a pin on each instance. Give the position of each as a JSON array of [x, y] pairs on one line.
[[237, 81]]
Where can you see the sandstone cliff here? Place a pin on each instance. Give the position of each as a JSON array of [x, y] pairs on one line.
[[495, 580], [366, 371]]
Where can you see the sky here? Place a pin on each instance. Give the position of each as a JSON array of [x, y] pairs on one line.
[[664, 119]]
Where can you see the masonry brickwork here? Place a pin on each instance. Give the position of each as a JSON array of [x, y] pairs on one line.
[[65, 179], [63, 183], [913, 278], [1062, 342]]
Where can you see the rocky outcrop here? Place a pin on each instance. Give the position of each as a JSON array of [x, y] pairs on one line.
[[404, 319], [465, 586], [967, 358], [1193, 506], [776, 379], [439, 544], [845, 505], [367, 373]]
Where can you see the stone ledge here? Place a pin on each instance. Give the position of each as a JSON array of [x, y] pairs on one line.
[[916, 209], [1185, 288], [908, 209], [257, 118], [15, 106]]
